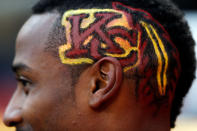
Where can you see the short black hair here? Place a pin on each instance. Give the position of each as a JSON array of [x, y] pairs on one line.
[[164, 11]]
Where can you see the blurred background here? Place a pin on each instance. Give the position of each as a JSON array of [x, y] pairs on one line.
[[13, 14]]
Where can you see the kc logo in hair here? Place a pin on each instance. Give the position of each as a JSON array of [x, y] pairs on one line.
[[121, 32]]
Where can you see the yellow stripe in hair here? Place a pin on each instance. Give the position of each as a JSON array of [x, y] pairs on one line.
[[162, 86]]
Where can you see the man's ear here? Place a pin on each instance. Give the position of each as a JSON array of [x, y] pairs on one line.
[[105, 81]]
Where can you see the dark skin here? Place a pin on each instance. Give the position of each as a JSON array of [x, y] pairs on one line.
[[44, 98]]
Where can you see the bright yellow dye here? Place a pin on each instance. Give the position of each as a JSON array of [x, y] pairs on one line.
[[85, 24], [124, 44], [162, 86], [88, 40]]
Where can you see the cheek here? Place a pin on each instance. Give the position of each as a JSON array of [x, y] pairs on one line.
[[48, 107]]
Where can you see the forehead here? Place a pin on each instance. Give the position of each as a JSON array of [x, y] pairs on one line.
[[32, 38]]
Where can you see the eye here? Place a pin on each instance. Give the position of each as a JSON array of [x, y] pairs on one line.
[[24, 83]]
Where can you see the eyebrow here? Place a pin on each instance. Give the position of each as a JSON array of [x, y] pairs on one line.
[[20, 67]]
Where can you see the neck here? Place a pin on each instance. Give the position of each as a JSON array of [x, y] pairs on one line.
[[128, 114], [140, 121], [159, 122]]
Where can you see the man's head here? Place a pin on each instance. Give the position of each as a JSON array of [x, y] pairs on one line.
[[101, 65]]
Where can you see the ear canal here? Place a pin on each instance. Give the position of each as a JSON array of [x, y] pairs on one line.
[[97, 87], [107, 81]]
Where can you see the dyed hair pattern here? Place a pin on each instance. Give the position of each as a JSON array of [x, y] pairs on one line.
[[117, 33]]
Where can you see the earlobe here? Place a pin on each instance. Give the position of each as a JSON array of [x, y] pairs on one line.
[[107, 81]]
